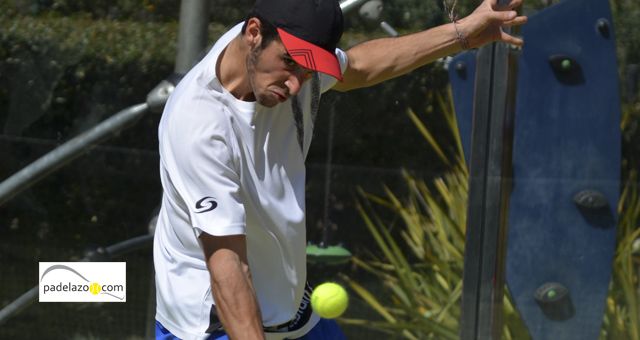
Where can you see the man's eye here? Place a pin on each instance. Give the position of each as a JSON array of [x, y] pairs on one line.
[[310, 74], [289, 62]]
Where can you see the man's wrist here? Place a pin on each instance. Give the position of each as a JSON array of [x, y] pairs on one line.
[[464, 43]]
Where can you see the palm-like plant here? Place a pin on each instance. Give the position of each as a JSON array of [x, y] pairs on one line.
[[422, 269], [622, 314]]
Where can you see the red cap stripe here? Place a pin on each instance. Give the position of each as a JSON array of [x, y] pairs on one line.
[[311, 56], [307, 55]]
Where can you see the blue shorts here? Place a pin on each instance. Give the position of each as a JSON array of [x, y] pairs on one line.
[[325, 330]]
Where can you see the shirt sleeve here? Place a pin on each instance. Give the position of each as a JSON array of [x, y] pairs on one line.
[[327, 81], [211, 185], [217, 208]]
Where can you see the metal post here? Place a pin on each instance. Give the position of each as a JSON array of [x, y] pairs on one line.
[[192, 43], [69, 151], [489, 190], [349, 5], [192, 34]]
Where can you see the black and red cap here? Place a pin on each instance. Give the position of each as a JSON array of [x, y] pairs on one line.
[[309, 29]]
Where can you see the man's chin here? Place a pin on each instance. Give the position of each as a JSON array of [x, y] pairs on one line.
[[267, 102]]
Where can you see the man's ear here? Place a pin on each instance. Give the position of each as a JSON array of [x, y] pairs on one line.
[[253, 32]]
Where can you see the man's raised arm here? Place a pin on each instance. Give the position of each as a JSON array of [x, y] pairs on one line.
[[378, 60]]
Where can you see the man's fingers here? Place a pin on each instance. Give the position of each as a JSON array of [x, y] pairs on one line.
[[508, 18], [514, 22], [501, 17], [507, 5], [511, 39], [508, 15]]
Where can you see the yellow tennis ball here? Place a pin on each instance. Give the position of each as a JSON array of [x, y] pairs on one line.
[[329, 300], [95, 288]]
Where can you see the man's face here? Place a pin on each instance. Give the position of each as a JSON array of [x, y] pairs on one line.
[[273, 75]]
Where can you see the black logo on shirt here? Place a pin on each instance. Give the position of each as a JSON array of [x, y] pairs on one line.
[[205, 204]]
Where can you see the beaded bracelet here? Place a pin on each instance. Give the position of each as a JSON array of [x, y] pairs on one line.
[[454, 17]]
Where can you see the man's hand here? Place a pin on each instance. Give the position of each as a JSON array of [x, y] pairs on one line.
[[484, 25]]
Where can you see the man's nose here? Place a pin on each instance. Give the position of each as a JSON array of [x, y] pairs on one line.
[[295, 81]]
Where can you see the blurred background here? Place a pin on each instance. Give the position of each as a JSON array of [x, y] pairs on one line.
[[67, 65]]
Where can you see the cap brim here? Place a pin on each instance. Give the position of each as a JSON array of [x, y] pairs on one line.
[[311, 56]]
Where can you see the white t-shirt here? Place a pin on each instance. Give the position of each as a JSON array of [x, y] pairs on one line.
[[230, 167]]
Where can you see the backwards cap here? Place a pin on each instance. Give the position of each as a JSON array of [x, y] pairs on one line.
[[309, 29]]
